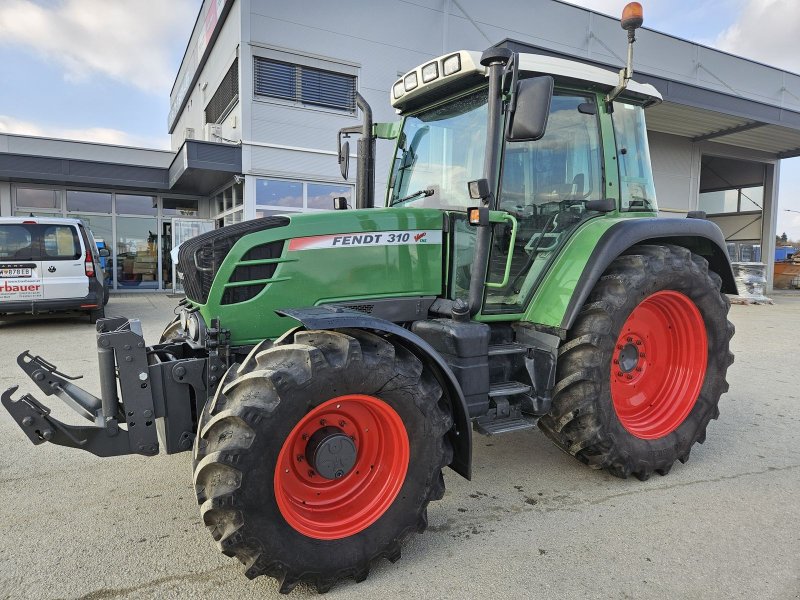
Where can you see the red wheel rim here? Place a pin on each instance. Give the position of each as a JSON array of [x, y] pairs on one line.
[[659, 365], [330, 509]]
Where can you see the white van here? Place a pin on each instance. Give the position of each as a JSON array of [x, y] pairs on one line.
[[50, 264]]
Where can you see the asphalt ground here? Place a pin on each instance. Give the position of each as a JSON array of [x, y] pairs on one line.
[[533, 523]]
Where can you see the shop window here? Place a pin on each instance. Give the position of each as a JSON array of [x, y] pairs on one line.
[[38, 198], [128, 204], [276, 195], [95, 202], [304, 85], [137, 253], [177, 207]]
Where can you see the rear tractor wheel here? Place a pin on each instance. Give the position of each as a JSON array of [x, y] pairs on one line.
[[319, 454], [642, 370]]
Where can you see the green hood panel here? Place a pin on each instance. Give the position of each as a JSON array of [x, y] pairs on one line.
[[331, 257]]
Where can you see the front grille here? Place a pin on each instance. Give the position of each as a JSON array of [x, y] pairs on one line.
[[240, 293], [200, 258]]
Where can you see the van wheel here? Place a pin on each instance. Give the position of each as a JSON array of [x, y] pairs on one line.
[[94, 315]]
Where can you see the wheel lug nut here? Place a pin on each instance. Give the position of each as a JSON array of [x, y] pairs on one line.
[[641, 355], [638, 342], [304, 436], [630, 339], [639, 369], [342, 423], [629, 376], [299, 458], [616, 362], [311, 472], [619, 346], [323, 422], [619, 373]]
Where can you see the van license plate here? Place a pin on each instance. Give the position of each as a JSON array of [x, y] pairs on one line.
[[16, 272]]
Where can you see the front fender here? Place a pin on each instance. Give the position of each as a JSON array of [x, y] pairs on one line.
[[328, 318]]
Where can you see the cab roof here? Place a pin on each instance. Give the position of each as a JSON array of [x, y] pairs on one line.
[[471, 72]]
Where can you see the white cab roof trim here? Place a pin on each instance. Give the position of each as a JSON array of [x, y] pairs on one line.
[[537, 63], [532, 63]]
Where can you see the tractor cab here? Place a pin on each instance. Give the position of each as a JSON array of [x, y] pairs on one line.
[[591, 160]]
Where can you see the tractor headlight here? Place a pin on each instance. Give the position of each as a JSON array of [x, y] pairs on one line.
[[430, 72], [193, 327], [410, 81], [398, 90], [451, 64]]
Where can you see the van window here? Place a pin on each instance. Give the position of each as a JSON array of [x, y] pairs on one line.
[[61, 243], [15, 243]]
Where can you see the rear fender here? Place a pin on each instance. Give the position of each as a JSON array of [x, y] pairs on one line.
[[325, 318], [700, 236]]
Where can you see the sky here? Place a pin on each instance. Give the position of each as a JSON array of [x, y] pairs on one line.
[[101, 70]]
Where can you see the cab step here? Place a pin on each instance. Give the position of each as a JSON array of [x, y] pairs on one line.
[[510, 348], [503, 426], [508, 388]]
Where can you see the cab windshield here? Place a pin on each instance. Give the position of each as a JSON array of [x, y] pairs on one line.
[[439, 151]]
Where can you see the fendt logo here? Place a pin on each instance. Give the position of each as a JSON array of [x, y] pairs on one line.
[[30, 287]]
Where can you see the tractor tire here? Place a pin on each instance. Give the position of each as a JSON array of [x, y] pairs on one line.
[[369, 408], [641, 372]]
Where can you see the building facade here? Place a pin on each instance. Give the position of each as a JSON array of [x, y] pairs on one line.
[[264, 87]]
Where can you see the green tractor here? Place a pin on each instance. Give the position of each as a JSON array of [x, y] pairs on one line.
[[325, 368]]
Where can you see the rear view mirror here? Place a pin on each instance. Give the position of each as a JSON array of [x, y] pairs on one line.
[[344, 158], [529, 109], [103, 252]]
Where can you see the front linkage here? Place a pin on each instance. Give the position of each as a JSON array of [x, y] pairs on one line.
[[163, 388]]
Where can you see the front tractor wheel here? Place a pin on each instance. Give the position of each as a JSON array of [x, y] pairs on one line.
[[642, 370], [319, 454]]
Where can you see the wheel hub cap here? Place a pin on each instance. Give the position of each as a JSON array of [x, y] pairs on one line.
[[331, 452], [628, 357]]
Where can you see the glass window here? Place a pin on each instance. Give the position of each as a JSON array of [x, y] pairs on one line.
[[238, 194], [633, 155], [718, 202], [37, 198], [272, 192], [80, 201], [274, 79], [441, 149], [16, 242], [321, 195], [544, 185], [324, 88], [129, 204], [60, 242], [179, 207], [137, 253], [304, 85], [752, 198]]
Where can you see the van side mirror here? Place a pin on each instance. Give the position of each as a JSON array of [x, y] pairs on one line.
[[529, 109], [103, 252]]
